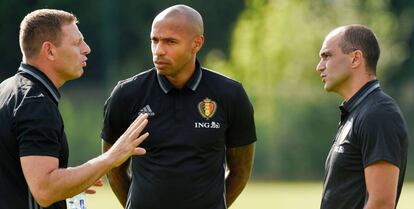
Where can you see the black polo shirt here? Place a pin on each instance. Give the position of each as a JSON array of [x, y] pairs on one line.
[[189, 131], [372, 128], [30, 125]]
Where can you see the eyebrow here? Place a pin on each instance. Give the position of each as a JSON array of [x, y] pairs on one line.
[[325, 53], [164, 39]]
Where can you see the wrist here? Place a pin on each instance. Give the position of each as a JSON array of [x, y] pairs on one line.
[[107, 160]]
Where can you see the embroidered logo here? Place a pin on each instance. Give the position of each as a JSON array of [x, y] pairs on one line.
[[207, 108], [339, 149], [147, 109]]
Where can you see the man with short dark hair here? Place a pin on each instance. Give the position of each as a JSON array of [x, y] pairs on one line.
[[366, 165], [33, 146], [201, 122]]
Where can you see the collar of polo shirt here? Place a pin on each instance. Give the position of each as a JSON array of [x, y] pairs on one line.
[[192, 84], [359, 96], [42, 78]]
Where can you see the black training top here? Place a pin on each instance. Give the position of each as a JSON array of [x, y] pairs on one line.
[[30, 125], [189, 130], [372, 128]]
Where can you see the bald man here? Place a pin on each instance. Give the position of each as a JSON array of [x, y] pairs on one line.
[[200, 123], [366, 165]]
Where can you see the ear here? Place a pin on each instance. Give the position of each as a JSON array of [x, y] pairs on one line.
[[48, 50], [198, 43], [357, 59]]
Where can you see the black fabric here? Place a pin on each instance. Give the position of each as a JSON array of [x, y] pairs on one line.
[[185, 161], [30, 125], [372, 128]]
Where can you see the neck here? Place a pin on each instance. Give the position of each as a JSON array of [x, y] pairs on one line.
[[181, 78], [47, 70], [355, 85]]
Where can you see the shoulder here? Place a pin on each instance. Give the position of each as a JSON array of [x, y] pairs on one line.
[[37, 110], [381, 112], [230, 91], [381, 105], [218, 80], [139, 81], [381, 127], [27, 92], [215, 76], [26, 88]]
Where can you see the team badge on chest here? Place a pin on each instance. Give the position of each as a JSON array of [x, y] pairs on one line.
[[207, 108]]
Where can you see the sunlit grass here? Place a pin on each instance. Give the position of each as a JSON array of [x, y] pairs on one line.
[[261, 195]]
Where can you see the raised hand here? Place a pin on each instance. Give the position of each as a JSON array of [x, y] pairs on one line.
[[127, 144]]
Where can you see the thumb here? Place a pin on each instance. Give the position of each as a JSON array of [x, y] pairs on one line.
[[139, 151]]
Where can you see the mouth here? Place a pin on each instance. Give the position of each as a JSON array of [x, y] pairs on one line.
[[160, 63], [323, 77], [84, 62]]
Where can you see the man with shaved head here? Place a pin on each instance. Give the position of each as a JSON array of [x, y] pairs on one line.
[[200, 124], [366, 165]]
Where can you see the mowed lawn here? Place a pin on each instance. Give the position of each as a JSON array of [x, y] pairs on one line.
[[261, 195]]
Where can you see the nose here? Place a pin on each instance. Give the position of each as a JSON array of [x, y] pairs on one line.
[[86, 49], [158, 49], [321, 66]]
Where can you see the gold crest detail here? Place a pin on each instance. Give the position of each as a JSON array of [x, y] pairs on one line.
[[207, 108]]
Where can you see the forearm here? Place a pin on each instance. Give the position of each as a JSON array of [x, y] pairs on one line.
[[63, 183], [235, 184], [49, 183], [120, 181], [379, 204], [74, 180], [240, 163], [118, 177]]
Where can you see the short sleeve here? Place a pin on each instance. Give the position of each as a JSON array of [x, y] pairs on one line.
[[113, 124], [383, 137], [38, 127], [241, 130]]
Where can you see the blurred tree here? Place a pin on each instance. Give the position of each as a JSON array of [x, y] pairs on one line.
[[118, 34], [274, 52], [82, 124], [401, 78], [405, 73], [274, 49], [117, 31]]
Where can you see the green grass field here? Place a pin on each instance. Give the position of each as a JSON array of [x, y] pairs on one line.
[[262, 195]]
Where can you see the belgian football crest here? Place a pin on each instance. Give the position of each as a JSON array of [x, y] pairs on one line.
[[207, 108]]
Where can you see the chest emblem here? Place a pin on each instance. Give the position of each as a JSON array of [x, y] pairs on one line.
[[207, 108]]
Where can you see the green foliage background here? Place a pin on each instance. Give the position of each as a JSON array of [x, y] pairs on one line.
[[274, 53], [271, 46]]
